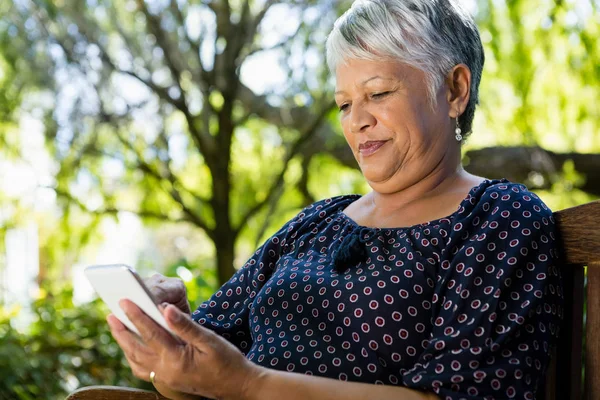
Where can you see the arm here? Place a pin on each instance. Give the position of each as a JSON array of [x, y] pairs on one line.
[[227, 311], [202, 363], [497, 304], [269, 384]]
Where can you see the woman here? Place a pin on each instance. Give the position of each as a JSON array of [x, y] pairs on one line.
[[436, 284]]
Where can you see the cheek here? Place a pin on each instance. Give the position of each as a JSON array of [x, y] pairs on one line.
[[410, 125], [399, 124], [350, 138]]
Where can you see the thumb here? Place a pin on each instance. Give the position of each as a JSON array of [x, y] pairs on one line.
[[184, 327]]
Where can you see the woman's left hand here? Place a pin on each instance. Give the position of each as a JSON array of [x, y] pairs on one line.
[[198, 362]]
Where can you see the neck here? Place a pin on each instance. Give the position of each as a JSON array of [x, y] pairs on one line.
[[436, 181]]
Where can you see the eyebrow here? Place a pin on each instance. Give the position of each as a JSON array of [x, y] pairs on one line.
[[363, 83]]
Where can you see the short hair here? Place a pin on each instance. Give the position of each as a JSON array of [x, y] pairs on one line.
[[430, 35]]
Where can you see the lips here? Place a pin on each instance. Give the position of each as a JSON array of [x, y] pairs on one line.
[[370, 147]]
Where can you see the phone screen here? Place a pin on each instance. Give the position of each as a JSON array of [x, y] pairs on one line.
[[116, 282]]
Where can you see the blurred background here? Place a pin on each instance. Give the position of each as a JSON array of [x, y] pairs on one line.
[[176, 135]]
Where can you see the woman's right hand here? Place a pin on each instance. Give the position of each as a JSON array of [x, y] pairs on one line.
[[168, 290]]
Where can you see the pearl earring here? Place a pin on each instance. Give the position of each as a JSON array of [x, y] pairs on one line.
[[458, 131]]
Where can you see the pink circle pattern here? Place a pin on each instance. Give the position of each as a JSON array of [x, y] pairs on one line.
[[466, 306]]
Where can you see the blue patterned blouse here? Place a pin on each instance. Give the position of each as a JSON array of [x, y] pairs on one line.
[[465, 306]]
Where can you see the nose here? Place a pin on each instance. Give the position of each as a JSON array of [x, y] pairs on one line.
[[361, 119]]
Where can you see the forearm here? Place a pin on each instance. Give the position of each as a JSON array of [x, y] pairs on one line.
[[271, 385]]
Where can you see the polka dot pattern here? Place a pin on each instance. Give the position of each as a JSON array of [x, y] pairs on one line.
[[465, 306]]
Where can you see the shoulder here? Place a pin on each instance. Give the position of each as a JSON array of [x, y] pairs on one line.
[[504, 224], [500, 212], [320, 210], [507, 200], [327, 207]]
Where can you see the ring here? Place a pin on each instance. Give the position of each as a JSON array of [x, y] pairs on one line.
[[152, 376]]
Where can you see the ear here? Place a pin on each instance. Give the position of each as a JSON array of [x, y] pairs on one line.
[[458, 83]]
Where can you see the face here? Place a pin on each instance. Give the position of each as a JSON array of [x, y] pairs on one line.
[[389, 124]]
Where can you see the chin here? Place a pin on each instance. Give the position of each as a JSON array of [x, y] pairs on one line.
[[375, 176]]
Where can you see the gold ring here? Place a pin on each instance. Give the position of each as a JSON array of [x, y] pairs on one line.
[[152, 376]]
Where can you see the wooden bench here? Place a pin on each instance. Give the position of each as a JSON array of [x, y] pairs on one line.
[[579, 229], [113, 393]]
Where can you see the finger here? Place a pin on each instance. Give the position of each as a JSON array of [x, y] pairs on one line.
[[141, 364], [127, 340], [185, 328], [139, 371], [154, 285], [156, 278], [114, 323], [140, 358], [154, 281], [136, 352], [153, 335], [171, 290]]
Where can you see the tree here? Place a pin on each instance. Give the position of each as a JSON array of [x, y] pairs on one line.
[[540, 81], [152, 50], [153, 114]]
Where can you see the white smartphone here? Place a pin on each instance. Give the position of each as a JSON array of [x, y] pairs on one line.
[[116, 282]]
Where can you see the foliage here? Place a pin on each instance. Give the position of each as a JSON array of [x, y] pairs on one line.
[[541, 76], [148, 108], [66, 346]]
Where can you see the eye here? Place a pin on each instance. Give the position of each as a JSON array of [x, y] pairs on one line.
[[343, 107], [379, 95]]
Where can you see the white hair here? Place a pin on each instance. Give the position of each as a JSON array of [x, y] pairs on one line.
[[430, 35]]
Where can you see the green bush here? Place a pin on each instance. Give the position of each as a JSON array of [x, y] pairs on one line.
[[66, 347]]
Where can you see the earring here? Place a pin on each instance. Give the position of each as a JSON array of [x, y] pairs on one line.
[[458, 131]]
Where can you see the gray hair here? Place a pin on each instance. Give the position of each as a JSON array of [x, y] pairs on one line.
[[430, 35]]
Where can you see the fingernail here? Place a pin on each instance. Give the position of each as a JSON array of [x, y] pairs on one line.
[[163, 306]]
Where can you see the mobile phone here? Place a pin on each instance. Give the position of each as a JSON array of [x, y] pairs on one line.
[[116, 282]]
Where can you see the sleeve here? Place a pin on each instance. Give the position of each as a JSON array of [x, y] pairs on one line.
[[497, 303], [227, 311]]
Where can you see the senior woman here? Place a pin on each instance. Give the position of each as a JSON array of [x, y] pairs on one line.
[[436, 284]]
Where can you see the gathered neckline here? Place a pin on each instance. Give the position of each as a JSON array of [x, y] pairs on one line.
[[437, 221]]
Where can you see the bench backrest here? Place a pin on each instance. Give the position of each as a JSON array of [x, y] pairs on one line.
[[579, 339]]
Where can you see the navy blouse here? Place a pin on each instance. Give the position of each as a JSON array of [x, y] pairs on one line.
[[465, 306]]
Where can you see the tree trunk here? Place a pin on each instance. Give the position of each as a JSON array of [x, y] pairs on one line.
[[224, 232], [224, 243]]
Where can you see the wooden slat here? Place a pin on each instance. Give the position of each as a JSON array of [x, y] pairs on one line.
[[113, 393], [569, 349], [550, 389], [592, 344], [580, 233]]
